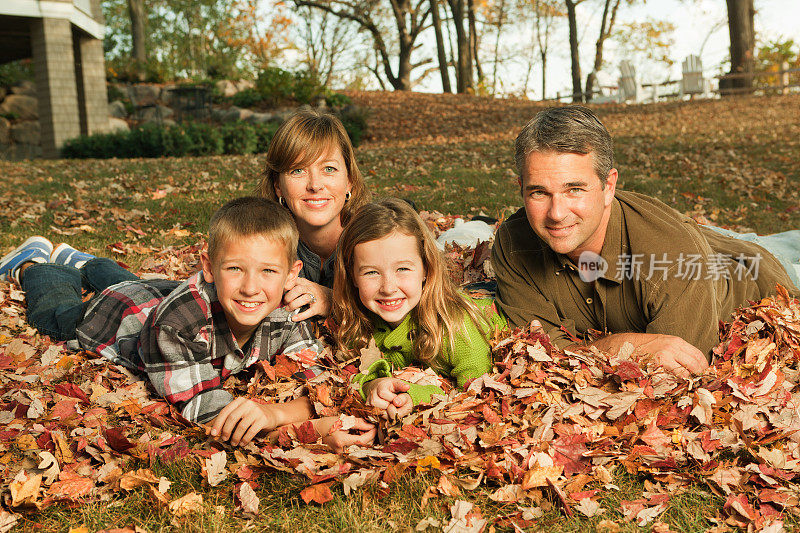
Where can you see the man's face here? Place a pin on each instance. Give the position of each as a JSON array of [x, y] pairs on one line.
[[566, 203]]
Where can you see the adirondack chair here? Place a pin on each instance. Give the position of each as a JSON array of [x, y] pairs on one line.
[[693, 81], [628, 85]]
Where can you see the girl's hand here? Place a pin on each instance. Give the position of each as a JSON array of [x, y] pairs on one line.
[[362, 433], [390, 396], [241, 420], [305, 292]]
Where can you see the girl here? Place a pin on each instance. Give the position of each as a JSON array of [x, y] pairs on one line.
[[311, 170], [391, 285]]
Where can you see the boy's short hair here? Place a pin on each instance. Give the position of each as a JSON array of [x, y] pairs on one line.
[[249, 216]]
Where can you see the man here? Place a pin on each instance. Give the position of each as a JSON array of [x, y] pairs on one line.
[[582, 255]]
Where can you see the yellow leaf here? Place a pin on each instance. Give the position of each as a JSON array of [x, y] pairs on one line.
[[428, 463]]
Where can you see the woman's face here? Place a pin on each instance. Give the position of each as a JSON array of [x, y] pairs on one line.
[[316, 194]]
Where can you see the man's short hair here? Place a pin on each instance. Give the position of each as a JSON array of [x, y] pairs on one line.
[[569, 129], [252, 216]]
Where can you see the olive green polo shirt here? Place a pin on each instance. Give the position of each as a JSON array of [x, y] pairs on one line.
[[665, 275]]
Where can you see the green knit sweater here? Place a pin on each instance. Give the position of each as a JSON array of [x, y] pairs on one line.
[[469, 358]]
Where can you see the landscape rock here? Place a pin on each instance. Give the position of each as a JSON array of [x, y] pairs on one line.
[[156, 113], [117, 124], [144, 94], [261, 118], [241, 85], [5, 131], [235, 114], [117, 109], [27, 132], [226, 87], [25, 107], [26, 87]]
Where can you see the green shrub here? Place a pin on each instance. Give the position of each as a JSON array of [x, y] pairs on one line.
[[354, 119], [147, 141], [307, 87], [275, 85], [205, 138], [239, 138], [100, 146], [246, 98], [264, 134], [150, 140], [337, 100]]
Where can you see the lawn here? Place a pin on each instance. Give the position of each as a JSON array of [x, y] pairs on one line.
[[732, 163]]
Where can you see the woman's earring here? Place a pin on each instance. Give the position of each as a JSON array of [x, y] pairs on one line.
[[347, 196], [283, 202]]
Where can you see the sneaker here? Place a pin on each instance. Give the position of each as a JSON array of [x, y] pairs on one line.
[[64, 254], [36, 250]]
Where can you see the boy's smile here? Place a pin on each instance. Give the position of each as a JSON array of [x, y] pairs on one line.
[[250, 275]]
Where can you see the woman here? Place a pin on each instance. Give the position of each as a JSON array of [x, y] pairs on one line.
[[311, 170]]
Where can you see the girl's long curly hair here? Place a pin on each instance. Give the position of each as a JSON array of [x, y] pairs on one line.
[[442, 309]]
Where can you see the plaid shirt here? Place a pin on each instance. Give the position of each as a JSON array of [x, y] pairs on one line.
[[181, 340]]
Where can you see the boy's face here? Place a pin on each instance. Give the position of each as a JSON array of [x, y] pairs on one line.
[[250, 274]]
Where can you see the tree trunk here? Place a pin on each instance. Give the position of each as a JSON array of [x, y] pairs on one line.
[[573, 51], [136, 12], [500, 21], [740, 25], [437, 30], [463, 61], [473, 39], [544, 74], [606, 25]]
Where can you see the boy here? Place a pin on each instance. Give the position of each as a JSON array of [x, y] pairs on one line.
[[187, 337]]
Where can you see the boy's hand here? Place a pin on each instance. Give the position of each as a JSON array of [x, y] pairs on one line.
[[241, 420], [362, 433], [390, 396]]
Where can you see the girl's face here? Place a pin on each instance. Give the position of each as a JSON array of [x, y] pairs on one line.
[[316, 194], [389, 275]]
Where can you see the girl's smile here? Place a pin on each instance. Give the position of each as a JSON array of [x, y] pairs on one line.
[[389, 275]]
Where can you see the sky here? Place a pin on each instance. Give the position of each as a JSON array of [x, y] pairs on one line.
[[695, 21]]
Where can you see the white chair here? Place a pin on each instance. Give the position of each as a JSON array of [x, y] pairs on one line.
[[628, 85], [692, 82]]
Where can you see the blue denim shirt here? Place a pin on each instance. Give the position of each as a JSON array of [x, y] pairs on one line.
[[313, 267]]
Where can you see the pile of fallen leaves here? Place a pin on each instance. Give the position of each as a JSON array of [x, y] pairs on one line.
[[546, 426]]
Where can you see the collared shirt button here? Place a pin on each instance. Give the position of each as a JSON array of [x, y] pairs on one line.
[[589, 300]]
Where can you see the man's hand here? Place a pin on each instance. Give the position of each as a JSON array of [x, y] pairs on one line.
[[241, 420], [675, 355], [362, 433], [390, 396]]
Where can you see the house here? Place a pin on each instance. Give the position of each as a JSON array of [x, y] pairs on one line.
[[65, 40]]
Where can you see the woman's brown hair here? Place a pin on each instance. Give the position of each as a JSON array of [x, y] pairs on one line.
[[442, 309], [301, 140]]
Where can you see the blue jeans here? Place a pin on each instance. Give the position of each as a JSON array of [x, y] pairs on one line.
[[784, 246], [53, 293]]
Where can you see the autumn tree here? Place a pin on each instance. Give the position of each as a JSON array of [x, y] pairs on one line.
[[195, 38], [545, 12], [407, 18], [743, 42], [323, 40], [607, 20]]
